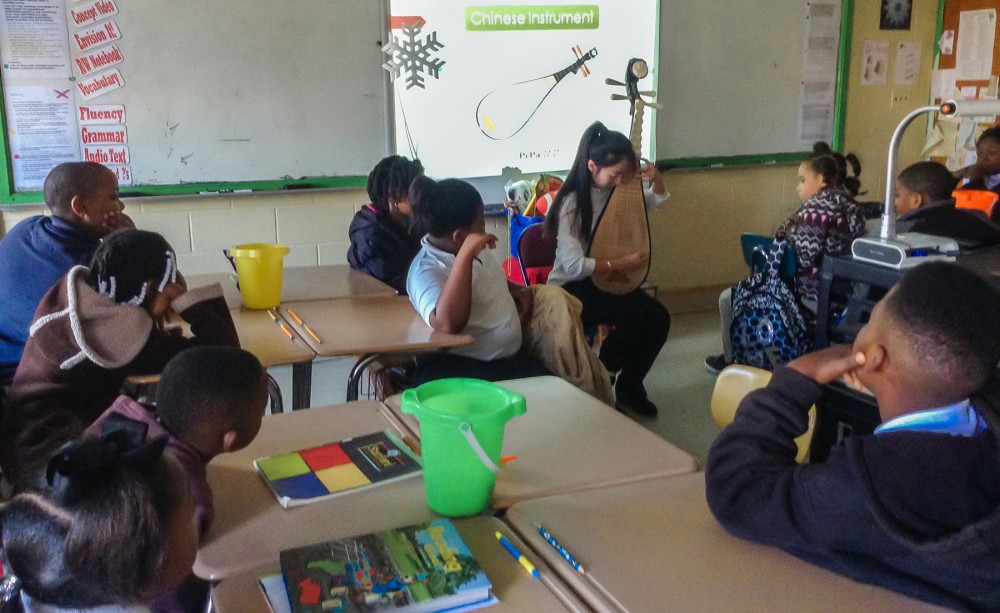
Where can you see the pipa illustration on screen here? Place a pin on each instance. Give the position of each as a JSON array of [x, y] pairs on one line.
[[505, 111]]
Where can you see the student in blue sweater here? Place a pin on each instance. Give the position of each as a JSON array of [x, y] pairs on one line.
[[914, 507], [40, 250]]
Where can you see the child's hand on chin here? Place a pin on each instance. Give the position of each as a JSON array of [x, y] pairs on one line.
[[829, 364], [475, 242]]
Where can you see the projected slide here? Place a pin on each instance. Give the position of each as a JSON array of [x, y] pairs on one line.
[[478, 88]]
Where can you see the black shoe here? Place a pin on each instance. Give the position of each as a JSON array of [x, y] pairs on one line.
[[642, 407], [715, 363]]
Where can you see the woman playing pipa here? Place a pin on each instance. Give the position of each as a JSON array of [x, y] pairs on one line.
[[606, 164]]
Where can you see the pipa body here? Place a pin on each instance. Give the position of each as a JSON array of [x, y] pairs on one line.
[[623, 227]]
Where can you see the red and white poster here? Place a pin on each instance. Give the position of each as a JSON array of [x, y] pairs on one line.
[[99, 114], [92, 12], [97, 36], [103, 135], [100, 84], [106, 155], [100, 59]]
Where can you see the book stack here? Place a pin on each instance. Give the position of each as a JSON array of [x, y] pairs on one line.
[[421, 568]]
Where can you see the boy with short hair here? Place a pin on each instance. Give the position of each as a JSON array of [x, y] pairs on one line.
[[924, 204], [38, 251], [209, 400], [914, 507]]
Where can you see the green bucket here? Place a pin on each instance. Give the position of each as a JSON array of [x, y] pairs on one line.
[[461, 434]]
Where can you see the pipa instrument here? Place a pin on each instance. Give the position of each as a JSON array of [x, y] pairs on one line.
[[623, 227]]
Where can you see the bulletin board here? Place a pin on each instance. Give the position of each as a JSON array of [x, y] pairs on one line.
[[187, 96], [961, 154]]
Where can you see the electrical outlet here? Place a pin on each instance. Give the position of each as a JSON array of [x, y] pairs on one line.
[[899, 98]]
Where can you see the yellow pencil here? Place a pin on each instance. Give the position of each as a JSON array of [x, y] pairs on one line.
[[297, 319], [285, 329], [270, 314], [311, 333]]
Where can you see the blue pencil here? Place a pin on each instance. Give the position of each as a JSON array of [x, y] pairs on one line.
[[551, 540]]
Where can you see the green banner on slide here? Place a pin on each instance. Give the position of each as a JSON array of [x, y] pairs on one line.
[[532, 17]]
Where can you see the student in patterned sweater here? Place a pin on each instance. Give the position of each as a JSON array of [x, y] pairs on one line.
[[828, 220], [826, 223]]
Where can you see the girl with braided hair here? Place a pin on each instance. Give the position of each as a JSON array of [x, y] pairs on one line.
[[382, 243], [112, 529]]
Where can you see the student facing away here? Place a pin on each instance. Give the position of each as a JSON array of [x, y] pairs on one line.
[[914, 507], [38, 251], [95, 328], [112, 530], [457, 286]]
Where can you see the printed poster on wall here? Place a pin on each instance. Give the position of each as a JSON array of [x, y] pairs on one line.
[[41, 129], [479, 87]]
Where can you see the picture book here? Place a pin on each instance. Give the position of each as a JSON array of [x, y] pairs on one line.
[[318, 473], [416, 569]]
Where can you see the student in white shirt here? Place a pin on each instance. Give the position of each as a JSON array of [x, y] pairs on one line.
[[457, 286]]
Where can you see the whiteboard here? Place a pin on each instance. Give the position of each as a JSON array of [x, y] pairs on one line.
[[729, 75], [251, 90]]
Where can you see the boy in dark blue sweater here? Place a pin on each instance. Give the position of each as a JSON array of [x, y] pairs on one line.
[[40, 250], [914, 507]]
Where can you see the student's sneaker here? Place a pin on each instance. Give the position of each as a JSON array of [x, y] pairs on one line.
[[715, 363]]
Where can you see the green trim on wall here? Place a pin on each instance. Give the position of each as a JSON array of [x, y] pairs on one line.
[[732, 160], [843, 75]]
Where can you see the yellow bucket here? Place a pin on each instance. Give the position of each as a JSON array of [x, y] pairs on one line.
[[259, 266]]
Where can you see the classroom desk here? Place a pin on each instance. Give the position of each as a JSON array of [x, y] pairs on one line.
[[985, 262], [569, 441], [301, 283], [654, 546], [515, 588], [251, 528], [368, 327]]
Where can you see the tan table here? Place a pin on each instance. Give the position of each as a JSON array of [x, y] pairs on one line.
[[251, 528], [301, 283], [369, 327], [654, 546], [568, 441], [516, 589]]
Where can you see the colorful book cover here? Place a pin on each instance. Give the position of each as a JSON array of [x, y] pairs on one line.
[[416, 569], [318, 473]]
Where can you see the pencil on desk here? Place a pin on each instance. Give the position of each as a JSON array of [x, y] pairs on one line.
[[297, 319], [285, 329], [311, 333], [523, 561], [270, 314]]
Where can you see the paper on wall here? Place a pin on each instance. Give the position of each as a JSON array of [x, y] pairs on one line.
[[875, 62], [974, 59], [947, 42], [932, 146], [966, 137], [907, 63], [943, 83]]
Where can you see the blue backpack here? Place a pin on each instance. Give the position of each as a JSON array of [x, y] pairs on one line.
[[768, 326]]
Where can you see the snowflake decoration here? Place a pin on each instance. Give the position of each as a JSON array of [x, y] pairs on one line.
[[896, 14], [413, 55]]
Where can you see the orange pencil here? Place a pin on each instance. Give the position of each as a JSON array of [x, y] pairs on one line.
[[311, 333], [297, 319], [285, 329]]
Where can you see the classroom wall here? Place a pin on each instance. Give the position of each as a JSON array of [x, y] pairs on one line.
[[695, 245], [871, 114]]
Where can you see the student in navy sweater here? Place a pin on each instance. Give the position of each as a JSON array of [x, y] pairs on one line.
[[40, 250], [914, 507]]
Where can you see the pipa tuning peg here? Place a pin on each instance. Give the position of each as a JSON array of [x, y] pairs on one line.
[[610, 81]]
